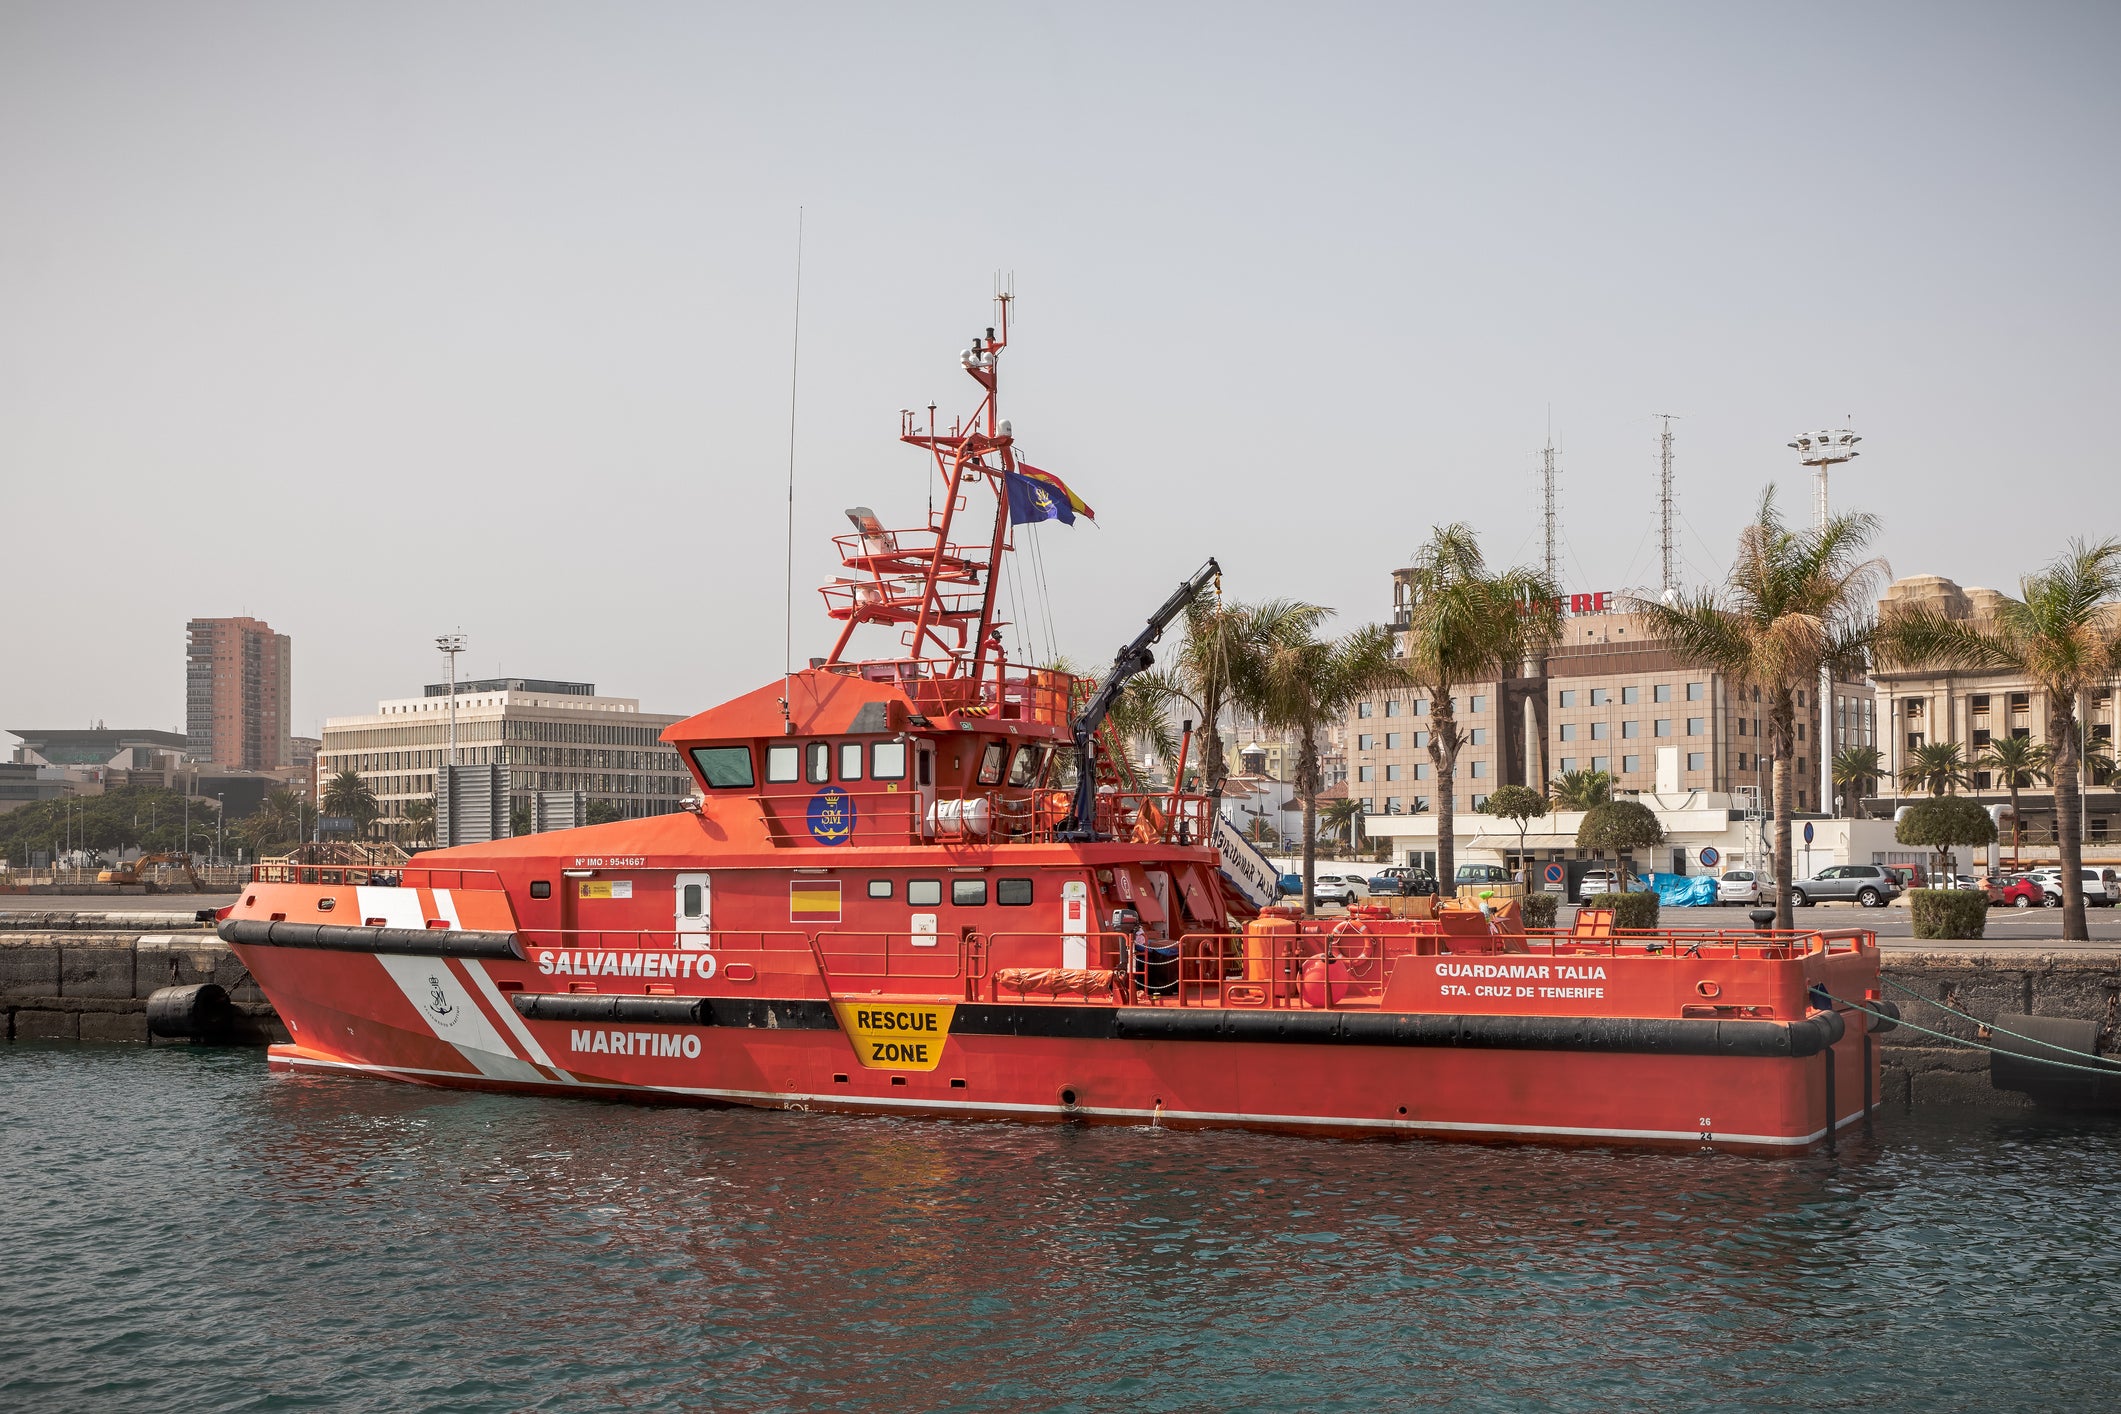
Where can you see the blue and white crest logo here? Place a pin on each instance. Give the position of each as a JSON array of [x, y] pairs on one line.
[[831, 816]]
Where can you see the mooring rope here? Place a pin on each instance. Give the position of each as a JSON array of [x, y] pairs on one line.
[[1965, 1016], [2110, 1069]]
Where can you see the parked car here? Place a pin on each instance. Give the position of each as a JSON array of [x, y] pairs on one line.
[[2016, 892], [1340, 888], [2102, 887], [1872, 885], [1482, 874], [1738, 886], [1406, 883], [1607, 881], [1290, 884]]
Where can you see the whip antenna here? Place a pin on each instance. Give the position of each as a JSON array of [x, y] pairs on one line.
[[795, 356]]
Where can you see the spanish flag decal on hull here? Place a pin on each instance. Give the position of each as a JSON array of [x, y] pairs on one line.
[[814, 901]]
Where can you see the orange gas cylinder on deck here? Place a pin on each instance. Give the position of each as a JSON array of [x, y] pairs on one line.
[[1270, 939]]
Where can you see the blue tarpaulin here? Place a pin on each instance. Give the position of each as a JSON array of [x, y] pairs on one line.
[[1684, 890]]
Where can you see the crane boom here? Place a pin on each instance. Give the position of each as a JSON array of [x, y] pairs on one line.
[[1133, 659]]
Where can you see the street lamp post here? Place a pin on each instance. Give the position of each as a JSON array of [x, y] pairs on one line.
[[1821, 451]]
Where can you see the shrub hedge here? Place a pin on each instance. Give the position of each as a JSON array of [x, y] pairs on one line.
[[1636, 910], [1948, 913], [1539, 909]]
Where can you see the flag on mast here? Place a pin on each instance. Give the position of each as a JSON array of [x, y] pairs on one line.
[[1036, 495]]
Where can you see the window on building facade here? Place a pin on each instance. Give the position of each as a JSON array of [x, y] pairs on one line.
[[1599, 697], [1391, 773], [1741, 726], [1421, 803], [1697, 726], [1478, 736], [1480, 802], [1629, 729], [1568, 764], [1421, 739], [2099, 828], [1598, 731], [1480, 702], [1741, 762], [1800, 697], [1364, 741], [1661, 727], [1421, 706], [1662, 692], [1568, 697], [1479, 769], [1697, 760], [1800, 731], [1421, 770], [1601, 763], [1982, 736], [1983, 780], [1977, 704], [1365, 773], [1629, 696], [1363, 709], [1630, 763], [1392, 741], [1391, 706], [1568, 731], [2021, 701], [1392, 806], [1697, 692], [1914, 741]]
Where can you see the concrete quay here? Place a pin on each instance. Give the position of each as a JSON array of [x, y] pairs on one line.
[[92, 984]]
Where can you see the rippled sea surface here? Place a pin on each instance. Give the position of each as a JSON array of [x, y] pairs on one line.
[[183, 1231]]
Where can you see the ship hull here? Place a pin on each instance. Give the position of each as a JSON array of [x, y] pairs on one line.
[[451, 1022]]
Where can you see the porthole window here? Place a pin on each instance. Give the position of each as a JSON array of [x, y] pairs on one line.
[[968, 893], [1012, 893], [924, 893], [541, 888], [880, 888]]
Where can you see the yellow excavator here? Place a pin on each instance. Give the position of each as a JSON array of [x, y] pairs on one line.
[[131, 873]]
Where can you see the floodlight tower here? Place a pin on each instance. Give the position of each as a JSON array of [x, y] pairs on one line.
[[452, 644], [1821, 451]]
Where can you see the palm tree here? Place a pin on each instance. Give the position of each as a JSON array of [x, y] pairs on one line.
[[1796, 602], [275, 826], [1935, 766], [1580, 790], [420, 820], [1218, 665], [2020, 761], [2063, 633], [1466, 624], [1856, 771], [350, 796], [1343, 817], [1302, 687]]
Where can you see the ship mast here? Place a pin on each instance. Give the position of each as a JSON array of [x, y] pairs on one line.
[[943, 591]]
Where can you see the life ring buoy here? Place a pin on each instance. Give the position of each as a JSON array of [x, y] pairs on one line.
[[1351, 942]]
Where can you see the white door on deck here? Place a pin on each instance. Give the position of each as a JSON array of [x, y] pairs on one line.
[[695, 910]]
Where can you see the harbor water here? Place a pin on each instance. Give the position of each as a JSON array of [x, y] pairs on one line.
[[184, 1231]]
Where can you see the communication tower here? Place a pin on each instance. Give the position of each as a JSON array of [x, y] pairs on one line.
[[1668, 542]]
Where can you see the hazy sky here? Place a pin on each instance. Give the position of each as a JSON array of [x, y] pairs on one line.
[[377, 320]]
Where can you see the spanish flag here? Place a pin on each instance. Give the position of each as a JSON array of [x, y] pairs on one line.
[[1036, 495], [814, 901]]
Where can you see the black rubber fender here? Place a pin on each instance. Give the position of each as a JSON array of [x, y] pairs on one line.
[[2034, 1055], [199, 1012], [1885, 1016], [609, 1006], [345, 937]]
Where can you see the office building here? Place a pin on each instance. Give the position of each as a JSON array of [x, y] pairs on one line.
[[237, 689]]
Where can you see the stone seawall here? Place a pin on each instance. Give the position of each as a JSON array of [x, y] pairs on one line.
[[1931, 1070], [73, 985]]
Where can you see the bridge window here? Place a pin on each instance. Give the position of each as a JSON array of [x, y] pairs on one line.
[[782, 763], [817, 761], [1024, 770], [990, 773], [850, 760], [724, 767], [887, 761], [1012, 893], [968, 893], [924, 893]]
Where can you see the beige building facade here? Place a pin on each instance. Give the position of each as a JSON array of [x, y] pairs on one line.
[[1976, 709], [552, 736]]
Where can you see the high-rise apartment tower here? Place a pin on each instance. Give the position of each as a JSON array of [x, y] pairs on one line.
[[236, 694]]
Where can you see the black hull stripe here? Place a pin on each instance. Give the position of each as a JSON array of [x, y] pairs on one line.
[[1670, 1036]]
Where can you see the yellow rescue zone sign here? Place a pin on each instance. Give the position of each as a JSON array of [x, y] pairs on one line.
[[896, 1036]]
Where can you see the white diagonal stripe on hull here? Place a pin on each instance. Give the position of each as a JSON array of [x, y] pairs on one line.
[[514, 1023], [453, 1016]]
